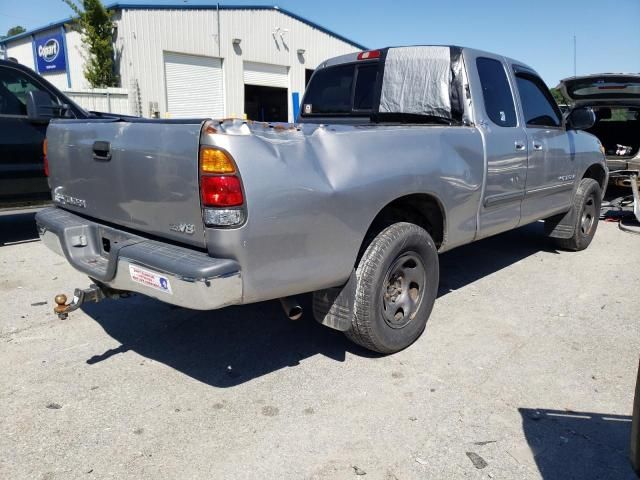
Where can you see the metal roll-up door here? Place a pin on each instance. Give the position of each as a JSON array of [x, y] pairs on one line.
[[266, 75], [194, 86]]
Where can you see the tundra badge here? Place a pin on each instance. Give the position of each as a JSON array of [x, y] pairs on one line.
[[566, 178], [63, 199]]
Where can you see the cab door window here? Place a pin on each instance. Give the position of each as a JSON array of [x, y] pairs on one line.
[[14, 87], [538, 106]]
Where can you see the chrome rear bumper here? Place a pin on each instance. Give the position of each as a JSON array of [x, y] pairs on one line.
[[190, 278]]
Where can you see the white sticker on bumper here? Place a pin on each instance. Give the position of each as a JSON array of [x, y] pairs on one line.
[[150, 279]]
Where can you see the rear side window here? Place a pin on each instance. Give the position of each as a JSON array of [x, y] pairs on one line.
[[341, 90], [538, 106], [496, 92]]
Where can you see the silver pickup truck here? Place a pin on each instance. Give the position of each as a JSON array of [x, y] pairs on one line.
[[399, 154]]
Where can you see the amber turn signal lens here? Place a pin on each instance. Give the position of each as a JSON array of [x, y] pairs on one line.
[[213, 160]]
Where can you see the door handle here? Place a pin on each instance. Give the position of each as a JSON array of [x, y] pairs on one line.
[[101, 151], [520, 145], [537, 146]]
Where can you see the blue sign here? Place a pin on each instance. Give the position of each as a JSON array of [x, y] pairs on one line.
[[50, 54], [295, 101]]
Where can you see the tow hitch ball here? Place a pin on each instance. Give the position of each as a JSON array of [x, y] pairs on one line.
[[92, 294]]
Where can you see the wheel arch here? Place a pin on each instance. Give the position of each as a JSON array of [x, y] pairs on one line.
[[598, 173], [424, 209]]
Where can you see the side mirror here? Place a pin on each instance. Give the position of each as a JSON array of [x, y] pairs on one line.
[[40, 106], [581, 118]]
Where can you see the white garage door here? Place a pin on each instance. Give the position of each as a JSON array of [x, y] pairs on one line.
[[194, 86], [266, 75]]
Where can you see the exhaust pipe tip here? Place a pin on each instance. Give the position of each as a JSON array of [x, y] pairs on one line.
[[295, 313], [291, 307]]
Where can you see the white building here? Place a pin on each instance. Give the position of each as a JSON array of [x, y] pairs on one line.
[[187, 60]]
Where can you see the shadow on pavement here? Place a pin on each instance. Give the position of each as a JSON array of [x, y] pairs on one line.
[[17, 227], [221, 348], [466, 264], [578, 445], [231, 346]]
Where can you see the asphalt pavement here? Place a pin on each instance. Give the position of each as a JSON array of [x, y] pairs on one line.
[[526, 370]]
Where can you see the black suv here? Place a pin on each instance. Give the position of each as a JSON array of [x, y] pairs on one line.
[[27, 103]]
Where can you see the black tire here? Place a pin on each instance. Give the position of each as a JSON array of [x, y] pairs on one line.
[[586, 204], [389, 274]]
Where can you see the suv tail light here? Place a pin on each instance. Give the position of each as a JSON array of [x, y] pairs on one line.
[[221, 192], [44, 157]]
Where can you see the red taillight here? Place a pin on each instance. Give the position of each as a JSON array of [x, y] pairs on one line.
[[369, 55], [221, 191], [44, 157]]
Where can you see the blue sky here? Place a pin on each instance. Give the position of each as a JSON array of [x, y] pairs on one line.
[[537, 32]]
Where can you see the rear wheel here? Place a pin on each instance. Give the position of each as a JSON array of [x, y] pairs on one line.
[[396, 286], [586, 205]]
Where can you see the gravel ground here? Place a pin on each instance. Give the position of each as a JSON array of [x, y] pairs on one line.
[[526, 370]]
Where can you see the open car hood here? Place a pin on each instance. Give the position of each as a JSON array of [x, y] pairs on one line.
[[603, 89]]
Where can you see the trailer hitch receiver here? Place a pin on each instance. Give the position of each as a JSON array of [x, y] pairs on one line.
[[94, 293]]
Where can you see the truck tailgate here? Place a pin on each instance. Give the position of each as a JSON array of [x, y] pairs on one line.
[[138, 174]]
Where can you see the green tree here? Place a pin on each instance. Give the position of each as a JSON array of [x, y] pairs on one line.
[[17, 30], [95, 24], [558, 97]]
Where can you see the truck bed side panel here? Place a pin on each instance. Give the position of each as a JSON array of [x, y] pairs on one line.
[[313, 193]]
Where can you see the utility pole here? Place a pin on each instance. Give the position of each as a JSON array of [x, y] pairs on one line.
[[574, 56]]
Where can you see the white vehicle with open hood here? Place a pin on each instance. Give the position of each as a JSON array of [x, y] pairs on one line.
[[615, 99]]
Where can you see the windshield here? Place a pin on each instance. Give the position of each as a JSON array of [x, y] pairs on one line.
[[341, 90]]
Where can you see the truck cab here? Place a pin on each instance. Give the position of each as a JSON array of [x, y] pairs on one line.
[[530, 145], [22, 132]]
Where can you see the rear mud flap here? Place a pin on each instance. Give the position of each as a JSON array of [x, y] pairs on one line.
[[333, 307], [561, 226]]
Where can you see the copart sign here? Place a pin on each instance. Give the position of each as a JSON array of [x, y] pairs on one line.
[[50, 55]]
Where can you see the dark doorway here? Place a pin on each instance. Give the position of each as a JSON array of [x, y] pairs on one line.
[[265, 104]]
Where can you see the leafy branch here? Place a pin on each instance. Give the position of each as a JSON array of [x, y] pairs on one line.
[[95, 24]]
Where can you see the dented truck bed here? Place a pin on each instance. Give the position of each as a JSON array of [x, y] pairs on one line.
[[392, 145], [310, 190]]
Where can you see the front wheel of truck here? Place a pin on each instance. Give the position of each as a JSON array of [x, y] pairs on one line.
[[396, 287], [586, 205]]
